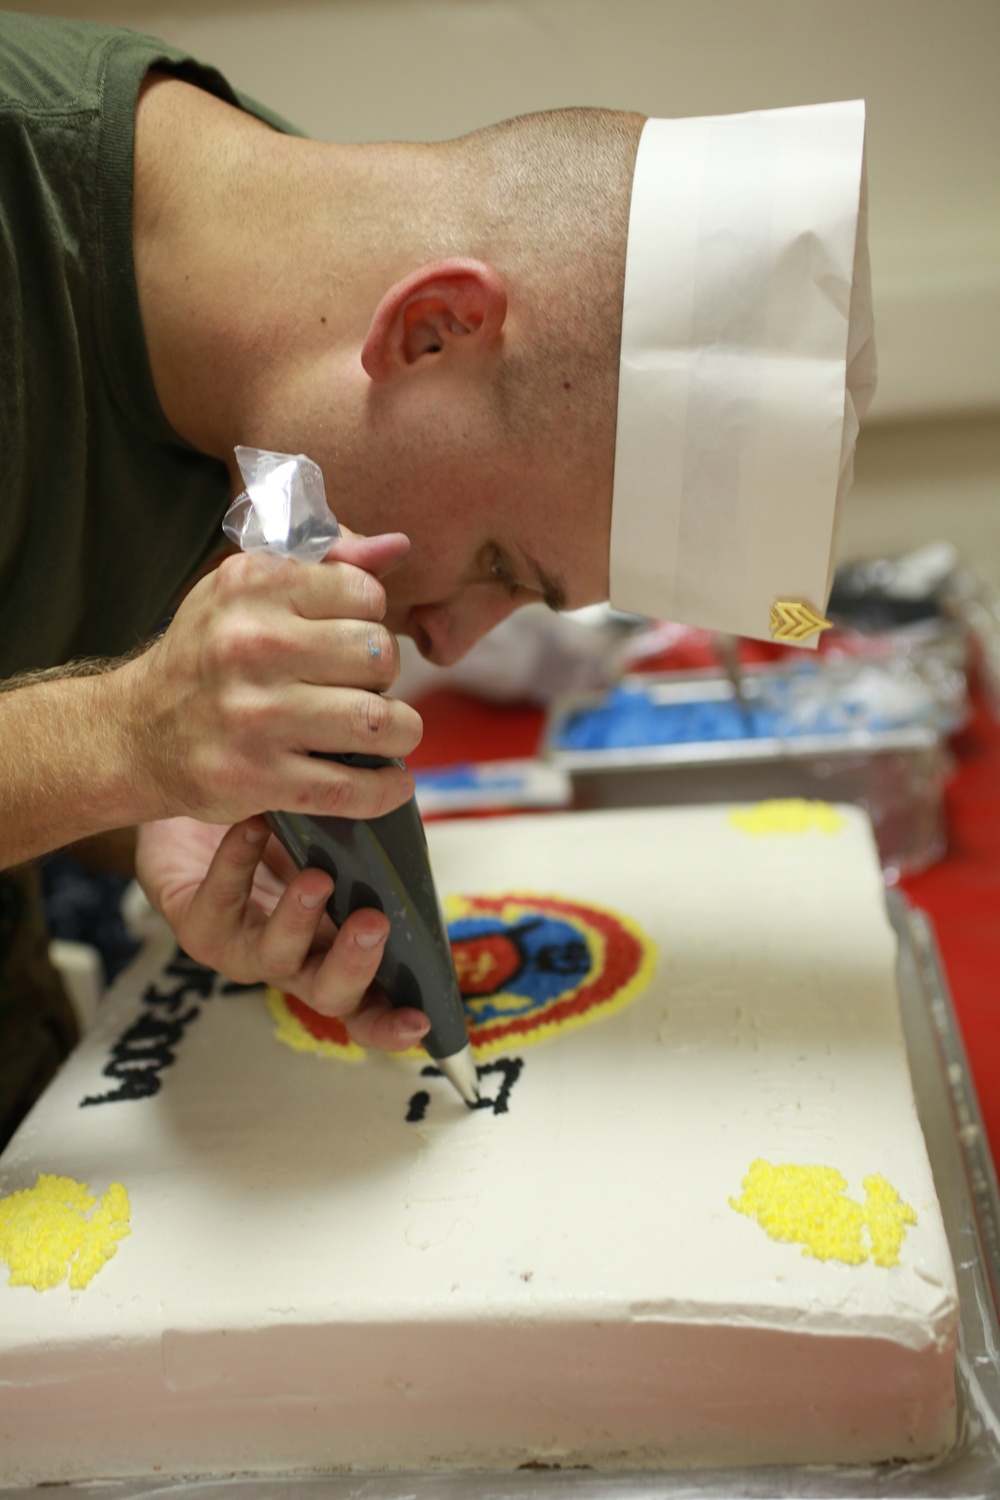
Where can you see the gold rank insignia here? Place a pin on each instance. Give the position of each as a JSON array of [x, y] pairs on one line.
[[791, 620]]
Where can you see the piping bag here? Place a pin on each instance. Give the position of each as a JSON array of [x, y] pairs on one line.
[[380, 862]]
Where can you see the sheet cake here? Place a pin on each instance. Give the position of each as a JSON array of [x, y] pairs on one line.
[[693, 1223]]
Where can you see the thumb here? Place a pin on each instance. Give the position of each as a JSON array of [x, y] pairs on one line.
[[375, 554]]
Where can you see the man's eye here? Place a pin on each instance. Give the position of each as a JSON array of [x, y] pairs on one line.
[[501, 573]]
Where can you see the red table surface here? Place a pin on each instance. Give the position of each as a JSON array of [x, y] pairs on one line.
[[961, 893]]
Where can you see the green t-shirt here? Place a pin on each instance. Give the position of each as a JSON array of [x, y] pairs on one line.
[[105, 511]]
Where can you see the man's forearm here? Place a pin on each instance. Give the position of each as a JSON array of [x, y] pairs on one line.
[[67, 760], [216, 719]]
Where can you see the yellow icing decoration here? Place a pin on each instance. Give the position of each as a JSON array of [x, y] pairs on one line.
[[809, 1206], [786, 815], [887, 1217], [45, 1232]]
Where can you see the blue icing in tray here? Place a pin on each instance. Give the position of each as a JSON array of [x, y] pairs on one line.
[[464, 777], [628, 717]]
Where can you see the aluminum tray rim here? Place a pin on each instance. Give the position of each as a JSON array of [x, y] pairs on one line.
[[689, 688]]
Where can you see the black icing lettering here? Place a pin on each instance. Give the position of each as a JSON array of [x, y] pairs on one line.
[[149, 1036], [507, 1068], [193, 975], [140, 1055], [418, 1105], [149, 1044], [170, 1001]]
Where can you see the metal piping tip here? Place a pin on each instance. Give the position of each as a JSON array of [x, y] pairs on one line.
[[460, 1070]]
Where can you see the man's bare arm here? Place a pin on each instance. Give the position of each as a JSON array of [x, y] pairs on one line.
[[215, 720], [67, 764]]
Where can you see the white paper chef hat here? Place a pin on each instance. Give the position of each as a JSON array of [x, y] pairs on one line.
[[747, 361]]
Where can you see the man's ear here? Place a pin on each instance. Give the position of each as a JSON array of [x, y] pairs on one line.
[[431, 310]]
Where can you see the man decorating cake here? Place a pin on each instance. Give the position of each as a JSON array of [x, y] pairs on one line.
[[480, 342]]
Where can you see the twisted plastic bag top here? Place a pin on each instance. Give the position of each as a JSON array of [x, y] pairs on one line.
[[283, 511]]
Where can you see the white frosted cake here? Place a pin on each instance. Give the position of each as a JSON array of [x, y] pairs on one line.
[[693, 1223]]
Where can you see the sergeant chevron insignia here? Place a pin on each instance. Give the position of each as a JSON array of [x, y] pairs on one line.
[[792, 620]]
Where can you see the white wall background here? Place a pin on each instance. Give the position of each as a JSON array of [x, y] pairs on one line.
[[929, 458]]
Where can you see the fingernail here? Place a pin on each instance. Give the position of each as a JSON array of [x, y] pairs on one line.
[[310, 901], [370, 939], [413, 1031], [255, 835]]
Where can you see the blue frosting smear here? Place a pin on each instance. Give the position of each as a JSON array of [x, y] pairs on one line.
[[783, 709], [467, 777]]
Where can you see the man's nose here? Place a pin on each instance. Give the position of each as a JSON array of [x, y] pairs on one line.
[[451, 629]]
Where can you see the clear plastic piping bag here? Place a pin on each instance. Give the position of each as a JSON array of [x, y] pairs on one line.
[[282, 512]]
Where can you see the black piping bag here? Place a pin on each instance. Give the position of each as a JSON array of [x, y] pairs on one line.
[[380, 862]]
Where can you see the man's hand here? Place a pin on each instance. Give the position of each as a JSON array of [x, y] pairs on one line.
[[259, 667], [236, 903], [217, 718]]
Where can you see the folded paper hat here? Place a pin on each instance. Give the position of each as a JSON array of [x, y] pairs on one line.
[[747, 361]]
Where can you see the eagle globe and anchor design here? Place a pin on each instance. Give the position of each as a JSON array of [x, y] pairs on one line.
[[529, 967]]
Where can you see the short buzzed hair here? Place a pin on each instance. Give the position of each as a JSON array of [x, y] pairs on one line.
[[547, 196]]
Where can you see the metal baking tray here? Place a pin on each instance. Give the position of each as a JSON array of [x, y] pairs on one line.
[[896, 775], [967, 1187]]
